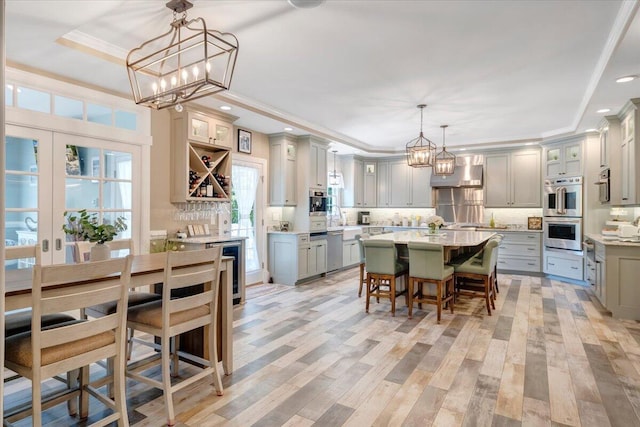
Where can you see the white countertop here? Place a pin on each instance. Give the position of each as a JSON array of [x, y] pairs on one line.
[[208, 239], [600, 239], [444, 238]]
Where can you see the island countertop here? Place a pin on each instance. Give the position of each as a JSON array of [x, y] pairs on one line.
[[444, 237]]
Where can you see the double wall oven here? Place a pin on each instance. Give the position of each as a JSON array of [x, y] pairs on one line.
[[563, 213]]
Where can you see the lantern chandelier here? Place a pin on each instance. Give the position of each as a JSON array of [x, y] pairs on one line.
[[420, 151], [185, 63], [445, 161]]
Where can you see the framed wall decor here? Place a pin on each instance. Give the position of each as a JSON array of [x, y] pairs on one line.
[[534, 223], [244, 141]]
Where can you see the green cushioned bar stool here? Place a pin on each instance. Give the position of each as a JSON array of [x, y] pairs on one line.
[[426, 266], [383, 267], [475, 277], [359, 239]]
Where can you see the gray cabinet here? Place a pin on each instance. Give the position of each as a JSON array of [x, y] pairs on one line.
[[618, 269], [629, 154], [350, 253], [369, 185], [563, 159], [318, 166], [520, 251], [353, 174], [609, 153], [407, 187], [513, 179], [382, 193], [282, 170], [294, 257]]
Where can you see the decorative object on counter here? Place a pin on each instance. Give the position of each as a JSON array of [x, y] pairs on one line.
[[158, 241], [445, 161], [244, 141], [197, 230], [284, 225], [435, 222], [84, 226], [534, 223], [492, 222], [194, 63], [420, 151]]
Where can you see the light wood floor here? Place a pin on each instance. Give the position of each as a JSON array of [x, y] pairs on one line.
[[310, 355]]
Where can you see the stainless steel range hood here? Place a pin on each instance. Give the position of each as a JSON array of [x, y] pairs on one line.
[[468, 174]]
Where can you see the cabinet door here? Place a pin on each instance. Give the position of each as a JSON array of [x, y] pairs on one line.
[[290, 182], [399, 190], [221, 133], [572, 157], [282, 174], [604, 153], [526, 191], [199, 127], [346, 253], [553, 162], [383, 185], [626, 164], [303, 261], [369, 184], [318, 164], [358, 182], [420, 187], [320, 258], [496, 184]]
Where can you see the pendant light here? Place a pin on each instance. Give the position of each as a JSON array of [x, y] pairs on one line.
[[420, 151], [335, 179], [445, 162]]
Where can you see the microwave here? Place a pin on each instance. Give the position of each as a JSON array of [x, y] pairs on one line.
[[563, 233], [317, 203]]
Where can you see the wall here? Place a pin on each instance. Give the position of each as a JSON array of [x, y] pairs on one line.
[[163, 212]]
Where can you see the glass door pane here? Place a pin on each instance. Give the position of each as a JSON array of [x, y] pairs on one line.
[[27, 191]]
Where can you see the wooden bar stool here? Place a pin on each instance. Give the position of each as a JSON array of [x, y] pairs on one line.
[[426, 266], [363, 281], [475, 277], [383, 268]]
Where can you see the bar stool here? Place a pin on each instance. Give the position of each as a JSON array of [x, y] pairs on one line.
[[359, 238], [45, 352], [481, 269], [426, 265], [383, 267], [170, 317]]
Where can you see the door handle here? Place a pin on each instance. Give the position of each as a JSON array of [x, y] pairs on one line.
[[58, 244], [45, 245]]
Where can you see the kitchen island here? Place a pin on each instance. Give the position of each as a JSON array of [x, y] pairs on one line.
[[446, 238]]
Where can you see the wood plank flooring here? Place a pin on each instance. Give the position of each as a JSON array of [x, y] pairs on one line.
[[549, 356]]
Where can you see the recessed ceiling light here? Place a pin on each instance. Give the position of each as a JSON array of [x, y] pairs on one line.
[[603, 110], [626, 79], [305, 4], [462, 149], [529, 143], [225, 108], [288, 129], [591, 130]]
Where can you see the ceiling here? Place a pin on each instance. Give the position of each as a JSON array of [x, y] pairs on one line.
[[498, 73]]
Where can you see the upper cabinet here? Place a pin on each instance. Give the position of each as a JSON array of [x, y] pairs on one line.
[[407, 187], [200, 163], [609, 152], [512, 179], [629, 154], [563, 159], [353, 174], [318, 166], [369, 184], [208, 129], [282, 170], [382, 192]]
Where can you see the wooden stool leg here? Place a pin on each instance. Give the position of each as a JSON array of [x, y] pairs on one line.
[[495, 278], [439, 300], [449, 284], [361, 280], [410, 297], [368, 292], [486, 295], [392, 297]]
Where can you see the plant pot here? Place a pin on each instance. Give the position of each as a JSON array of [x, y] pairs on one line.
[[100, 252]]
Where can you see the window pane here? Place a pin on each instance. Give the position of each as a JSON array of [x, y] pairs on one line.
[[8, 95], [117, 195], [99, 114], [81, 193], [126, 120], [35, 100], [67, 107], [21, 191], [117, 164], [21, 228], [21, 154], [83, 161], [110, 217]]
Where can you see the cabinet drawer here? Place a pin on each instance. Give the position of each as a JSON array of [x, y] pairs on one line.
[[513, 237], [571, 268], [318, 224], [519, 264], [526, 249], [303, 239]]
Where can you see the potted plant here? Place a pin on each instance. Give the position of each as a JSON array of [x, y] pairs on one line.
[[84, 226]]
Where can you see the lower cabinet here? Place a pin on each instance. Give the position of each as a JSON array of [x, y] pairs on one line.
[[563, 263], [618, 288], [294, 257], [520, 251], [350, 253]]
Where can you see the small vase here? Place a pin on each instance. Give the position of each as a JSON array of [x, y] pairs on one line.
[[433, 230], [100, 252]]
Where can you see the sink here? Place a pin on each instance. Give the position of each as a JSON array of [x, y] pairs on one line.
[[349, 233]]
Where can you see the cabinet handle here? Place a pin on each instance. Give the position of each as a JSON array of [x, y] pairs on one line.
[[574, 268], [531, 263], [45, 245], [552, 264], [58, 244]]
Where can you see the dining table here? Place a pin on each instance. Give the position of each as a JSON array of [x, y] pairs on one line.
[[146, 270]]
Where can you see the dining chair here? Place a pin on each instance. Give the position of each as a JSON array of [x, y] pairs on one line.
[[426, 266], [475, 277], [44, 352], [170, 317], [82, 248], [383, 268], [359, 238]]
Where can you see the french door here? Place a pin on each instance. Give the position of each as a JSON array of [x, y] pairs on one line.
[[49, 173]]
